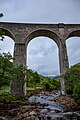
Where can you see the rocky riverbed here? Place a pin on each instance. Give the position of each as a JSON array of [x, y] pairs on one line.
[[43, 106]]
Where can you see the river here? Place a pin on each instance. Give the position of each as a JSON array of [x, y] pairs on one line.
[[53, 110]]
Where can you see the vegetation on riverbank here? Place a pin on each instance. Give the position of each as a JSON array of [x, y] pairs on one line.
[[72, 77], [7, 98], [10, 72]]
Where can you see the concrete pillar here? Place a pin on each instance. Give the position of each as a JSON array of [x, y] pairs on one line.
[[64, 65], [18, 86]]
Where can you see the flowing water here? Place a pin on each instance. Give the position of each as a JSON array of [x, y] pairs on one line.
[[53, 110]]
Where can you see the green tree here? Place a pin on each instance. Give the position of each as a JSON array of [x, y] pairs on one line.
[[9, 72], [50, 84], [1, 15], [76, 91], [18, 72], [5, 70], [32, 78], [36, 77], [29, 79], [72, 77]]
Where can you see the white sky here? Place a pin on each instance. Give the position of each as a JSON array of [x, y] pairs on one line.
[[42, 51]]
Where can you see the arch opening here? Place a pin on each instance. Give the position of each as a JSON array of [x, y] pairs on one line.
[[43, 56], [7, 45], [73, 48]]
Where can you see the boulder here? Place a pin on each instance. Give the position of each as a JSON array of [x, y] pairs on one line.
[[67, 101]]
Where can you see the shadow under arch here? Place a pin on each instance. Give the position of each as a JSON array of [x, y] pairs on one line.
[[7, 33], [75, 33], [44, 33]]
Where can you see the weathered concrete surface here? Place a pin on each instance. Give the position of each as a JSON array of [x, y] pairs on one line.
[[23, 33]]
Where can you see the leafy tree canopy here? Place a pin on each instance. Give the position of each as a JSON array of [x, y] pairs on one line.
[[1, 15], [5, 70], [72, 77]]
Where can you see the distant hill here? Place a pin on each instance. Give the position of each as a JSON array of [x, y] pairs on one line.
[[57, 76], [78, 63]]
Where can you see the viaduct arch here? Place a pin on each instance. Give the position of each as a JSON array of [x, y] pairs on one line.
[[22, 33]]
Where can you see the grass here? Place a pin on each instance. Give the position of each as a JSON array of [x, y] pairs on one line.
[[5, 88], [6, 97], [29, 90]]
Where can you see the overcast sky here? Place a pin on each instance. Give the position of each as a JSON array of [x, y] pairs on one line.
[[42, 51]]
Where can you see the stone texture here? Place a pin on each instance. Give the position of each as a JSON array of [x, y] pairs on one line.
[[22, 33], [67, 101]]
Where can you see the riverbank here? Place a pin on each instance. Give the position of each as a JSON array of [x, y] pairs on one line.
[[21, 112], [68, 102], [23, 109]]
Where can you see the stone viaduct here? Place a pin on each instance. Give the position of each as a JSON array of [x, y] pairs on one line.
[[23, 33]]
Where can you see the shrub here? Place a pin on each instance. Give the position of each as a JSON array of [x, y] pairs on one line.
[[76, 92], [72, 78], [7, 97], [50, 84]]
